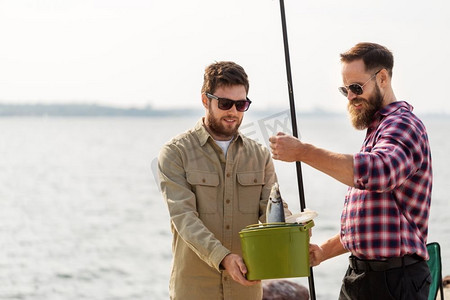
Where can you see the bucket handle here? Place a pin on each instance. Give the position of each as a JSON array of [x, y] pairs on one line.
[[305, 227], [264, 224]]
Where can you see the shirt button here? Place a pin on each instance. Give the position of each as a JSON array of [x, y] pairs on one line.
[[228, 174], [203, 180], [255, 180], [227, 227], [228, 201], [225, 278]]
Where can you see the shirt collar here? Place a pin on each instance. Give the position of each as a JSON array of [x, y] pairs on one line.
[[203, 134], [388, 110]]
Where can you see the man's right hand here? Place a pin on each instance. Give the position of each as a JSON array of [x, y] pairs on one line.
[[331, 248], [235, 266], [285, 147], [316, 255]]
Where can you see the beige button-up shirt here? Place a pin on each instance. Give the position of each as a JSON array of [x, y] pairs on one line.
[[210, 199]]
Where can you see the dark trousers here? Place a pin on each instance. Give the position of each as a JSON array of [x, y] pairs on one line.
[[410, 282]]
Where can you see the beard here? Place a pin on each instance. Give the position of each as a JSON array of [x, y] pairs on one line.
[[361, 118], [221, 130]]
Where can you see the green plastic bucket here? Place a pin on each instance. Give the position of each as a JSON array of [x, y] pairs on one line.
[[276, 250]]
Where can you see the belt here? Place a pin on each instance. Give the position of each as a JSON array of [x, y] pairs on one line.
[[382, 265]]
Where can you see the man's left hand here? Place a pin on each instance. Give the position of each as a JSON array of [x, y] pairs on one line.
[[235, 266]]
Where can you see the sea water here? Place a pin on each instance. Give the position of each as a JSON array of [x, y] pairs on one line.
[[81, 215]]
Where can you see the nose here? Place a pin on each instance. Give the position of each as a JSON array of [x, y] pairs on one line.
[[351, 95]]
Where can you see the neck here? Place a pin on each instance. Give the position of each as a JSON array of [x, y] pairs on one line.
[[389, 97]]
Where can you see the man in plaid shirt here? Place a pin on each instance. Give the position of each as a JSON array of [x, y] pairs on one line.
[[384, 222]]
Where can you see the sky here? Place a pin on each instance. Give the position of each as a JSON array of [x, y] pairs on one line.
[[136, 53]]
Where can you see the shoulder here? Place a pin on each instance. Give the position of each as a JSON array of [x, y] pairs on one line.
[[401, 119], [187, 137], [179, 144], [254, 146], [181, 138], [405, 127]]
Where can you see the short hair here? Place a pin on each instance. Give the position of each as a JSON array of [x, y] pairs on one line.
[[374, 56], [224, 73]]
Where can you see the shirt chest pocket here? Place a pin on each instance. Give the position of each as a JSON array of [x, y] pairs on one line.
[[249, 191], [204, 185]]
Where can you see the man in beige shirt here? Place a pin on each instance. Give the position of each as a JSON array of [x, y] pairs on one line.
[[215, 181]]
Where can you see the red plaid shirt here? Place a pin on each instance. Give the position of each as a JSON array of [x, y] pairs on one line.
[[386, 212]]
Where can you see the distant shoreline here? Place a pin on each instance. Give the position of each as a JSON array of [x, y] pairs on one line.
[[85, 110], [96, 110]]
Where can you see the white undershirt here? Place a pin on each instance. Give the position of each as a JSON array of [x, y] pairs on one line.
[[224, 146]]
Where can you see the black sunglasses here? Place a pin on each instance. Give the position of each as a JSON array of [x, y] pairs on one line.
[[355, 88], [226, 104]]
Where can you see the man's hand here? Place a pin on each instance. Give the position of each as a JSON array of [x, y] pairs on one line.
[[331, 248], [288, 148], [285, 147], [235, 266], [316, 255]]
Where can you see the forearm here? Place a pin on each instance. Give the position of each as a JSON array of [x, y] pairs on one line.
[[333, 247], [339, 166]]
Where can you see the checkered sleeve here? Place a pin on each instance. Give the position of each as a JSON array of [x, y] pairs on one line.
[[394, 158]]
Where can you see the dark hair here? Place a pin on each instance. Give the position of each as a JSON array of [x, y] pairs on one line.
[[223, 73], [374, 56]]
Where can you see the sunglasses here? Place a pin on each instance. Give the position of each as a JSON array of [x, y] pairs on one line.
[[355, 88], [226, 104]]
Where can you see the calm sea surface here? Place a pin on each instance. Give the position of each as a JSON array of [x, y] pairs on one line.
[[81, 216]]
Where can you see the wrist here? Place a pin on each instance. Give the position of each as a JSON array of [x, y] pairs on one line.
[[304, 153], [222, 263]]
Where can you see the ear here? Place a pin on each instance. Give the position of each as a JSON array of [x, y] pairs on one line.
[[205, 101], [383, 78]]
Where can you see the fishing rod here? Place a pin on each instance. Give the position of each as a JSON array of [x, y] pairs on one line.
[[301, 191]]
